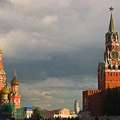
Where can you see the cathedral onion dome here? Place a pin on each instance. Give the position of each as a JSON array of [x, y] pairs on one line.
[[5, 90], [2, 72], [14, 80]]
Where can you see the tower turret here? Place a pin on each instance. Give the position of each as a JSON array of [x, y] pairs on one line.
[[15, 84], [15, 95]]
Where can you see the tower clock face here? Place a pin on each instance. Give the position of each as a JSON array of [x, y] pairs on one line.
[[114, 54]]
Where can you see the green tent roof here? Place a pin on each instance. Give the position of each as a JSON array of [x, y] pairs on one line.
[[111, 25], [5, 90], [14, 80]]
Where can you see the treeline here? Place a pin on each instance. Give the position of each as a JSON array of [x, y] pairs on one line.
[[54, 119]]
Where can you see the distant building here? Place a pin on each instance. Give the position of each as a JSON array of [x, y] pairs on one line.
[[28, 112], [60, 113], [64, 113], [108, 73], [76, 106]]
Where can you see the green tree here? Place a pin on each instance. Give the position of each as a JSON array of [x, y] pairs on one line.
[[37, 113]]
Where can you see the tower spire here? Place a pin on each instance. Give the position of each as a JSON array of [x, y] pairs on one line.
[[111, 25]]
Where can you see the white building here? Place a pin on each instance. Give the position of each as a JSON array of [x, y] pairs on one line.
[[28, 112], [76, 106], [64, 113]]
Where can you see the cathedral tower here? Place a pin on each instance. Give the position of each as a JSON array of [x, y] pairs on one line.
[[15, 95], [109, 71]]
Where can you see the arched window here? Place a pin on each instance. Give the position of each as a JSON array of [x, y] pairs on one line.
[[114, 67], [119, 67], [109, 67]]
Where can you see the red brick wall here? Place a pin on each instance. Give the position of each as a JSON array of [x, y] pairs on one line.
[[93, 101], [112, 79]]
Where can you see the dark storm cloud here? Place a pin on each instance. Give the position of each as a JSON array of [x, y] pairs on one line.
[[81, 62]]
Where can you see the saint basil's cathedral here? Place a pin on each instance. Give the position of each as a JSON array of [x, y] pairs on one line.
[[8, 94]]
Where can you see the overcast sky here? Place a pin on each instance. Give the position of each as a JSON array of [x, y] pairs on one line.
[[55, 46]]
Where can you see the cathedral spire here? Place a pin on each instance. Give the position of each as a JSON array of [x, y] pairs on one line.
[[14, 80]]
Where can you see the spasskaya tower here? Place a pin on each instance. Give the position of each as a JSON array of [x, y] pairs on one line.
[[109, 71], [97, 100]]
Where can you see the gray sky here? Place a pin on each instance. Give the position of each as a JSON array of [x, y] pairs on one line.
[[55, 46]]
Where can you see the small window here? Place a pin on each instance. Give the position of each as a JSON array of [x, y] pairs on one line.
[[109, 67], [114, 67]]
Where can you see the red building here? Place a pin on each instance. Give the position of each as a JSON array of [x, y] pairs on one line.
[[108, 73]]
